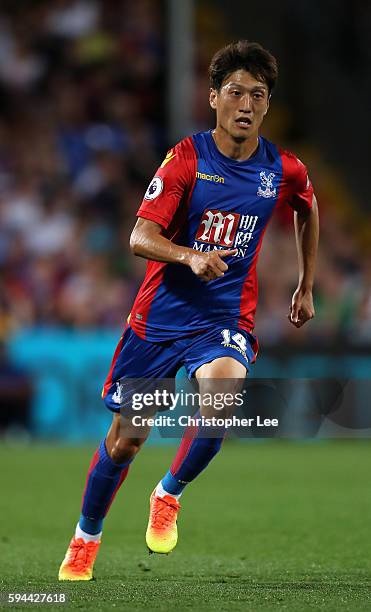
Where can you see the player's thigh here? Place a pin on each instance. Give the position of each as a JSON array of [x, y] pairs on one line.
[[219, 361], [136, 367], [221, 368], [219, 353], [219, 382]]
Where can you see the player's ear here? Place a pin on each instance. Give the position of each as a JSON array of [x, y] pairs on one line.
[[212, 98], [266, 110]]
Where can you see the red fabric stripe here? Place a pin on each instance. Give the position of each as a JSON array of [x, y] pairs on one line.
[[293, 182], [153, 279], [289, 164], [156, 270], [249, 293], [93, 463], [122, 478], [184, 448]]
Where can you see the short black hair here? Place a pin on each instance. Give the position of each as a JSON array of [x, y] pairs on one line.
[[242, 54]]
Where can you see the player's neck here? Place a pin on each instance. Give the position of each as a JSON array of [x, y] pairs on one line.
[[239, 151]]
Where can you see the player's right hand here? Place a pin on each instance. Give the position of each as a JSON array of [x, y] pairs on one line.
[[209, 266]]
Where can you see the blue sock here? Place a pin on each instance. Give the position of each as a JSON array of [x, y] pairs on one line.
[[193, 456], [90, 526], [103, 481]]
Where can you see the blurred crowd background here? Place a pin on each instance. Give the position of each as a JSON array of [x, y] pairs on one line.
[[83, 127]]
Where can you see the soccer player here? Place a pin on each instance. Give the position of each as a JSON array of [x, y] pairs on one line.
[[200, 227]]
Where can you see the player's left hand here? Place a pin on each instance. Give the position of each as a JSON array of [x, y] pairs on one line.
[[301, 309]]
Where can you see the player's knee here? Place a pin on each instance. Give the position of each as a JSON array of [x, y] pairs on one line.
[[125, 449], [219, 397]]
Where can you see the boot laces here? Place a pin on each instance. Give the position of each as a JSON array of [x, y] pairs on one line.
[[164, 511], [82, 553]]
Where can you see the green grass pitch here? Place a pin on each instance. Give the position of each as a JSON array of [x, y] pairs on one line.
[[268, 526]]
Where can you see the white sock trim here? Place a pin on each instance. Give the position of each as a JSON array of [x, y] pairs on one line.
[[161, 492], [87, 537]]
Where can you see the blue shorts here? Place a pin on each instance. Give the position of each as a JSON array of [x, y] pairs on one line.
[[136, 358]]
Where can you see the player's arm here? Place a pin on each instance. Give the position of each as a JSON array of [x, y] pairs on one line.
[[306, 223], [147, 241]]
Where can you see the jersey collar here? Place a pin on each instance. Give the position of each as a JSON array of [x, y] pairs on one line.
[[255, 158]]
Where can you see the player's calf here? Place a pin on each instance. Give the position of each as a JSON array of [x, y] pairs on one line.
[[108, 470]]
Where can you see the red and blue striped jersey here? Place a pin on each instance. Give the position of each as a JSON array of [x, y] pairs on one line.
[[205, 200]]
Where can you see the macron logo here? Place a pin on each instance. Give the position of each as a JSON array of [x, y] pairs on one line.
[[215, 178]]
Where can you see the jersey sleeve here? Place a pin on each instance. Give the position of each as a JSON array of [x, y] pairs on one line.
[[171, 184], [299, 186]]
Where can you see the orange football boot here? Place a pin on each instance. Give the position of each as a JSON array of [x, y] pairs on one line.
[[79, 560], [162, 531]]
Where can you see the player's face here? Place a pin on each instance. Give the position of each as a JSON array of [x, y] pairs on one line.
[[240, 104]]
